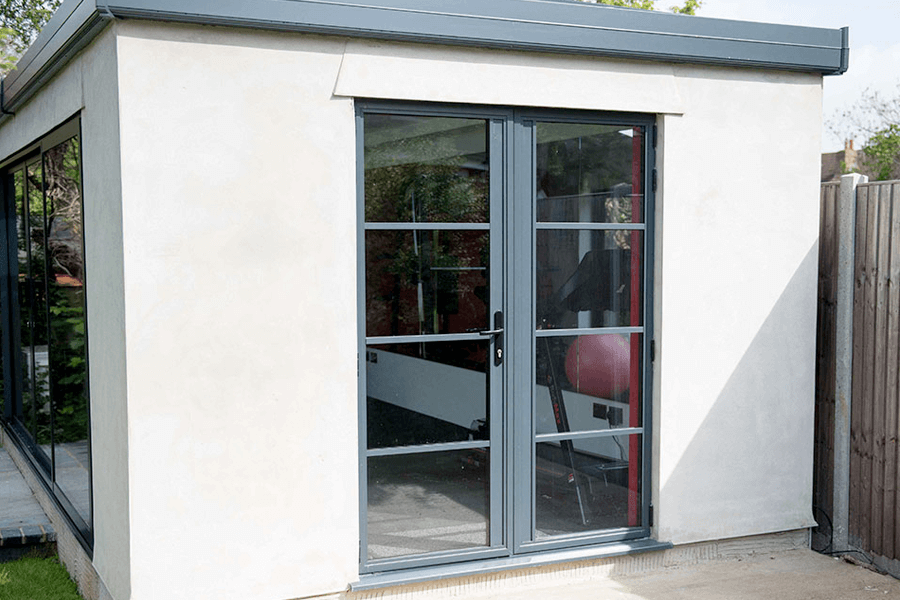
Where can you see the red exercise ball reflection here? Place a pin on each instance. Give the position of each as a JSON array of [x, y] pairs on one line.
[[598, 365]]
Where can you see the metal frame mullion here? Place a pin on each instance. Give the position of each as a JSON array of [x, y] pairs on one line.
[[428, 448], [542, 333], [551, 225], [436, 559], [496, 465], [425, 338], [541, 438], [599, 536], [521, 290], [649, 239], [427, 226], [362, 423]]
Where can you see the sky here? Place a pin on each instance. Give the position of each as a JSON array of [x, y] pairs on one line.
[[874, 43]]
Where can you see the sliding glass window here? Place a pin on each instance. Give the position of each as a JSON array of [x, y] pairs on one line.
[[44, 318]]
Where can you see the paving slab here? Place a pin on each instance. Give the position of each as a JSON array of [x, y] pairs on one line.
[[22, 520], [794, 575]]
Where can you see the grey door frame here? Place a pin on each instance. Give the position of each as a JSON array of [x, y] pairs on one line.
[[512, 231]]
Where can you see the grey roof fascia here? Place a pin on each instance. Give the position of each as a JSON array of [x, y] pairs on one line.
[[70, 29], [544, 25], [536, 25]]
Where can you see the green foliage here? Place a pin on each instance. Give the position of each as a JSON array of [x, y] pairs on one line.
[[690, 6], [642, 4], [20, 22], [875, 120], [882, 152], [67, 360], [36, 579]]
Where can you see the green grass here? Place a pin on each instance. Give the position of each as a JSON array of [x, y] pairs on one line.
[[33, 578]]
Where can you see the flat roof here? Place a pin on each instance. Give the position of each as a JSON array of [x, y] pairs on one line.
[[566, 26]]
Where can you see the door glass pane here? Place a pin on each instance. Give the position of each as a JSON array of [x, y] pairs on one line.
[[427, 502], [587, 484], [588, 278], [426, 169], [589, 173], [426, 282], [426, 393], [587, 382], [68, 351]]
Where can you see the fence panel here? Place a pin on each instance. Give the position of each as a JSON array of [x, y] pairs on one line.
[[874, 460], [874, 506]]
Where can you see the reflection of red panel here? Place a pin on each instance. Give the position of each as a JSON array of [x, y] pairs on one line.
[[67, 280], [634, 409]]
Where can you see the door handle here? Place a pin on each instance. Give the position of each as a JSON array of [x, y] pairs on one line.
[[489, 331], [496, 333]]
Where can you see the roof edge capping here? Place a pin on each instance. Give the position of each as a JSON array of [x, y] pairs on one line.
[[526, 25], [75, 24], [845, 52]]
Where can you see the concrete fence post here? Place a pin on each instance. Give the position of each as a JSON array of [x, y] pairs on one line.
[[845, 224]]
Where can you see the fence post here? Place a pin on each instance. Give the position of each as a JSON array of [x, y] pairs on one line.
[[845, 225]]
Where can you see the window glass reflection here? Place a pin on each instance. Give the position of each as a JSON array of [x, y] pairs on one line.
[[428, 502], [33, 310], [587, 485], [588, 278], [426, 393], [589, 173], [423, 282], [587, 382], [425, 169], [67, 350]]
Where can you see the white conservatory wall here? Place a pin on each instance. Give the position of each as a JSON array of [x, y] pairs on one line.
[[88, 84], [739, 231], [239, 216], [239, 212]]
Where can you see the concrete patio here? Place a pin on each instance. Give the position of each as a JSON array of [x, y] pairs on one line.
[[23, 523], [678, 574], [798, 574], [753, 575]]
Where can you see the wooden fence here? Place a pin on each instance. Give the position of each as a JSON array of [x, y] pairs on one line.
[[874, 506]]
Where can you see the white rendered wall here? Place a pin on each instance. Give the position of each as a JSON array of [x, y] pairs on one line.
[[239, 212], [737, 304], [239, 217], [87, 85]]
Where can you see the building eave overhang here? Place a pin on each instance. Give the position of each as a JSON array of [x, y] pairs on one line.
[[563, 26]]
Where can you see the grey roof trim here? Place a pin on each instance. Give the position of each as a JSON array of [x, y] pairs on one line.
[[547, 25], [70, 29], [539, 25]]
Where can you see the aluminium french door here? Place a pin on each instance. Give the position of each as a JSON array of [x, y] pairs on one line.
[[503, 318]]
